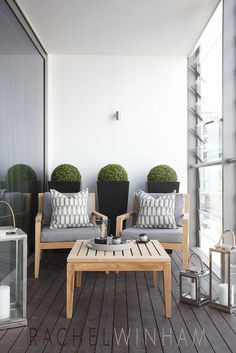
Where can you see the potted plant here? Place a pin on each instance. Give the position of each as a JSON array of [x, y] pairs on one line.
[[113, 192], [65, 178], [21, 178], [162, 179]]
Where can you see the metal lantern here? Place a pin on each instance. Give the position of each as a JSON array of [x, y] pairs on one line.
[[194, 284], [223, 274], [103, 224], [13, 275]]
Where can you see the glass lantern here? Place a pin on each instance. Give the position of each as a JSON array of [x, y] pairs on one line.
[[194, 284], [223, 274], [13, 278], [103, 224]]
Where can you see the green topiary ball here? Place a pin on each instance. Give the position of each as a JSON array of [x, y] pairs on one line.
[[113, 172], [20, 173], [162, 173], [66, 172]]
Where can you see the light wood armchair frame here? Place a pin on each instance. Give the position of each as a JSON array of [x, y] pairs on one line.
[[184, 246], [40, 246]]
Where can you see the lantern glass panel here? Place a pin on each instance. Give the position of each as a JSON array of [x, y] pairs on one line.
[[189, 287], [204, 288], [12, 280], [220, 282], [233, 276]]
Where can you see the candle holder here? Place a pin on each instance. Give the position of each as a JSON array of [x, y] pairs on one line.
[[13, 279], [194, 284], [104, 226], [223, 274]]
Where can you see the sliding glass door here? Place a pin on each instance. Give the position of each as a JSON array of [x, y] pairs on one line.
[[22, 120]]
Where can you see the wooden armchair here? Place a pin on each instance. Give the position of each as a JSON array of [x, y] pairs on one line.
[[171, 244], [46, 238]]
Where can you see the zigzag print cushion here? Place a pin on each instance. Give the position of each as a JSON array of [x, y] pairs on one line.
[[156, 212], [69, 211]]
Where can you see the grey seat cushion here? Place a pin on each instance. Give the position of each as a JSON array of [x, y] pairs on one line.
[[68, 234], [47, 208], [163, 235], [179, 206]]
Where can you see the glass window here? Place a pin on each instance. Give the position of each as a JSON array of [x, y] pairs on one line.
[[207, 109], [22, 106], [210, 210]]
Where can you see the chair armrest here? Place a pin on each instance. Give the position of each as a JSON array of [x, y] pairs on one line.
[[38, 218], [38, 225], [96, 214], [100, 215], [119, 221], [186, 218]]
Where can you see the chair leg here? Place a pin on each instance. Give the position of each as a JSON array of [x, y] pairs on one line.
[[185, 256], [38, 255], [154, 278]]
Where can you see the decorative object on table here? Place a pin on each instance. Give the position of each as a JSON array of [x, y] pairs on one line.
[[13, 279], [113, 192], [162, 179], [65, 178], [110, 246], [116, 240], [194, 283], [143, 237], [104, 226], [223, 274]]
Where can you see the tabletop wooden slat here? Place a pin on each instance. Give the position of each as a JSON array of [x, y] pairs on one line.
[[83, 250], [151, 251], [143, 249]]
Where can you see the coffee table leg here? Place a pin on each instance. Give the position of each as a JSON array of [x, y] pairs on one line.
[[78, 278], [167, 288], [70, 290], [154, 278]]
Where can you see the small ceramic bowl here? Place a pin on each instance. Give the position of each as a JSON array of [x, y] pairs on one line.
[[116, 240], [143, 237]]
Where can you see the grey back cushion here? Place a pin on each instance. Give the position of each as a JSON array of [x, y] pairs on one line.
[[47, 208], [16, 200], [179, 206]]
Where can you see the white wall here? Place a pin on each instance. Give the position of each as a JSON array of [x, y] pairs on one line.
[[151, 94]]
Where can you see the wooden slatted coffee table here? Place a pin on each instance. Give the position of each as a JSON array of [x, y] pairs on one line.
[[142, 257]]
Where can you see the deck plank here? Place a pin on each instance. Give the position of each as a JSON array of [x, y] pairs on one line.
[[215, 336], [124, 302]]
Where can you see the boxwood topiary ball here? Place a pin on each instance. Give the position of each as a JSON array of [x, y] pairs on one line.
[[66, 172], [20, 173], [113, 172], [162, 173]]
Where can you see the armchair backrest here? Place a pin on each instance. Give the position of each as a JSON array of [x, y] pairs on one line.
[[45, 206], [181, 205]]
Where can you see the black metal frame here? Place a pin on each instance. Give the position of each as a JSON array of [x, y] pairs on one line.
[[16, 10]]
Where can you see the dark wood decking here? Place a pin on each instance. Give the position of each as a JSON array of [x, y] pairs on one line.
[[114, 313]]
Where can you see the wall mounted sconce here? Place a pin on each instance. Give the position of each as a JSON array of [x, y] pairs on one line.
[[118, 115]]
